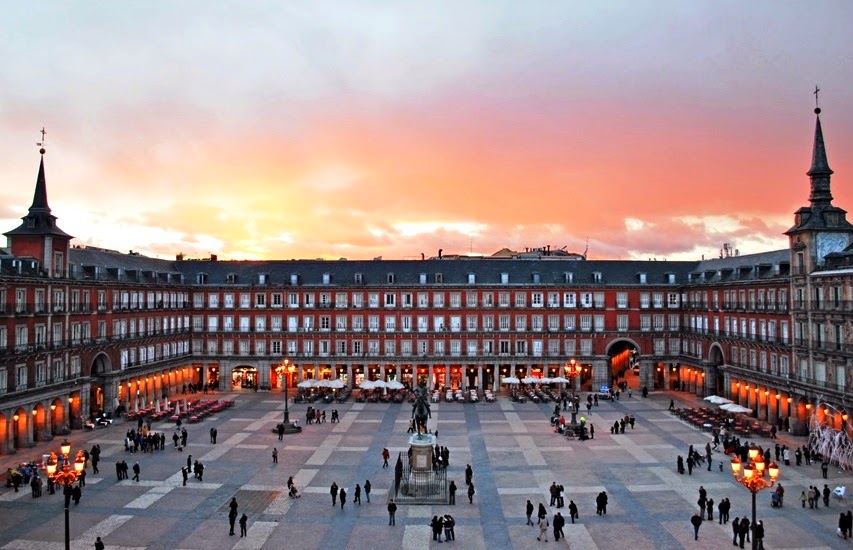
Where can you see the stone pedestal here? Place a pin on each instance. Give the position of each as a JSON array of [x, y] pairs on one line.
[[422, 446]]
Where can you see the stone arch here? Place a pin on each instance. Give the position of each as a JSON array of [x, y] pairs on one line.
[[58, 419], [100, 369], [41, 427], [20, 428], [716, 359], [623, 353], [4, 433]]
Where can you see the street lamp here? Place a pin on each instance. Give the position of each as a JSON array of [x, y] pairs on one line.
[[66, 477], [573, 372], [287, 368], [753, 478]]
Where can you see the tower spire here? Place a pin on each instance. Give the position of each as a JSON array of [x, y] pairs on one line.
[[820, 171]]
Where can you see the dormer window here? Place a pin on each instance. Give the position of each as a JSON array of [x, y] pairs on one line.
[[231, 278], [642, 278], [568, 277], [596, 277], [359, 278], [201, 278], [422, 278], [536, 278], [670, 278], [326, 278], [472, 278], [504, 278], [390, 278], [294, 279], [262, 279], [439, 278]]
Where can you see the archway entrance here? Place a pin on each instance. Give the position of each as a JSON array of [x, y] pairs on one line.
[[101, 367], [626, 369], [715, 358], [245, 378]]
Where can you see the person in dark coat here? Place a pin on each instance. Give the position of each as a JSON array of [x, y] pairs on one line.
[[759, 534], [451, 491], [735, 530], [743, 531], [542, 512], [449, 527], [437, 525], [136, 472], [333, 490], [232, 519], [243, 520], [471, 492], [356, 499], [343, 496], [573, 510], [696, 521], [392, 511], [559, 522], [99, 544], [529, 512]]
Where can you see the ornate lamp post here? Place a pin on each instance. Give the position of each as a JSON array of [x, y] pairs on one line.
[[753, 478], [66, 477], [573, 372], [287, 368]]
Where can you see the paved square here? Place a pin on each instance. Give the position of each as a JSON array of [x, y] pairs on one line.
[[514, 453]]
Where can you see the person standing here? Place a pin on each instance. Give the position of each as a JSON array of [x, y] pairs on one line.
[[591, 431], [696, 520], [99, 544], [392, 510], [735, 530], [333, 490], [471, 493], [451, 491], [709, 507], [449, 525], [469, 474], [357, 497], [758, 534], [386, 454], [437, 525], [136, 471], [243, 520], [212, 440], [343, 497], [743, 531], [541, 513], [529, 512], [232, 519], [826, 493], [280, 428], [184, 474], [824, 468], [367, 490], [275, 455]]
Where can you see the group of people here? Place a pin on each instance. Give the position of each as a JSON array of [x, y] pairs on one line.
[[315, 416], [445, 524], [339, 494], [145, 440], [232, 518]]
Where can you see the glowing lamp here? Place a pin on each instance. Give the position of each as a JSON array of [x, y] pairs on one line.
[[789, 400], [65, 447], [773, 470], [53, 407], [844, 416], [79, 462], [753, 453], [15, 417], [35, 412], [766, 393], [749, 470], [808, 406], [736, 464], [778, 396]]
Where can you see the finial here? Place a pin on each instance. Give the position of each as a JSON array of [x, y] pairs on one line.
[[42, 142], [816, 101]]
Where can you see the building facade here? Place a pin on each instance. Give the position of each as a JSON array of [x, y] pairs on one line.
[[84, 330]]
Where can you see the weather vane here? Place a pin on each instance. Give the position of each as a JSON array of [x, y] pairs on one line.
[[816, 91], [42, 142]]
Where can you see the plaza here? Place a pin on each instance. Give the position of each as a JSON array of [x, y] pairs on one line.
[[511, 446]]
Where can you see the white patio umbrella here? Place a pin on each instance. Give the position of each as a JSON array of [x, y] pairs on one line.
[[735, 408], [379, 384], [323, 383], [546, 380], [157, 406], [309, 383], [337, 384], [178, 408], [529, 380], [560, 379], [394, 385], [366, 385], [712, 398], [510, 380]]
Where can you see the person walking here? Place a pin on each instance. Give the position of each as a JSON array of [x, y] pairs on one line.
[[573, 510], [386, 454], [529, 512], [343, 496], [275, 455], [469, 474], [356, 499], [543, 529], [392, 511], [184, 474], [136, 471], [541, 513], [333, 490], [367, 490], [471, 493], [99, 544], [232, 519], [826, 493], [243, 520], [451, 491], [696, 521], [280, 428], [559, 522]]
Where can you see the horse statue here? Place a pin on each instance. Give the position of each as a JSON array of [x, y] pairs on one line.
[[421, 410]]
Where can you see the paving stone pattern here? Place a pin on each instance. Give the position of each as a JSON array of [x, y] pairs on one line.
[[511, 447]]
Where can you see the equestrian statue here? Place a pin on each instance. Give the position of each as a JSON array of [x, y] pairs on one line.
[[420, 410]]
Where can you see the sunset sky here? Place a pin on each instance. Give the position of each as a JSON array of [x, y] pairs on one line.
[[278, 130]]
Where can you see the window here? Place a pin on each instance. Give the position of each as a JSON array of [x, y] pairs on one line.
[[373, 299], [503, 299], [390, 323], [536, 299], [276, 300], [598, 323], [358, 300], [390, 299], [471, 299], [228, 301], [373, 323], [621, 300], [340, 323], [309, 299], [622, 323], [503, 323], [455, 299], [586, 323], [536, 322], [586, 299], [21, 377], [520, 323], [438, 299], [213, 300], [521, 299], [357, 323], [569, 299], [325, 300]]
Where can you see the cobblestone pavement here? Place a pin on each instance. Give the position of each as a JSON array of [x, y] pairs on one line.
[[514, 453]]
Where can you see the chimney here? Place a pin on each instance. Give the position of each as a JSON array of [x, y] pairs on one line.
[[439, 253], [179, 257], [213, 257]]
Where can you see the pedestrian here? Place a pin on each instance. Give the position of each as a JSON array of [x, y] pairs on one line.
[[696, 520], [190, 462], [243, 520], [280, 428], [824, 469], [136, 470], [469, 474], [743, 531], [386, 454], [735, 530], [184, 474], [333, 490], [392, 510], [709, 507], [591, 431], [543, 529], [437, 525], [541, 513], [471, 492], [451, 491], [275, 455], [343, 496], [212, 440], [690, 465], [356, 499], [367, 489], [559, 522], [449, 525], [803, 498], [232, 518], [573, 511], [552, 490], [529, 512], [758, 534], [99, 544], [826, 493]]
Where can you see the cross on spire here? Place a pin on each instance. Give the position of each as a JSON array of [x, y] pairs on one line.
[[816, 92], [42, 142]]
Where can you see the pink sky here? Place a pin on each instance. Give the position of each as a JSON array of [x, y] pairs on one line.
[[274, 130]]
